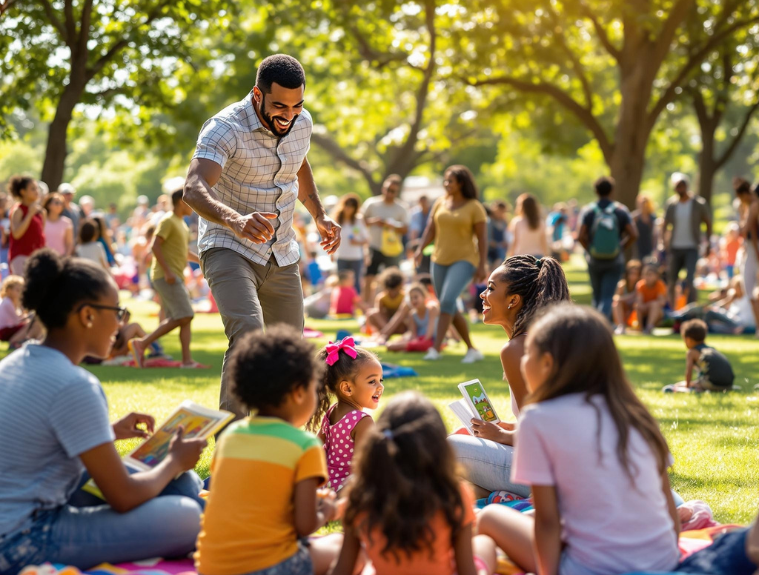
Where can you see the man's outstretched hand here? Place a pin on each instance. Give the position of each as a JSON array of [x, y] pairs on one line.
[[330, 234]]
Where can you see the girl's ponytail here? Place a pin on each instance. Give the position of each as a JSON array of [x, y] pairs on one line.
[[552, 283], [539, 281], [323, 399]]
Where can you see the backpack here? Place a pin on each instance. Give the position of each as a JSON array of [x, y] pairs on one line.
[[604, 235]]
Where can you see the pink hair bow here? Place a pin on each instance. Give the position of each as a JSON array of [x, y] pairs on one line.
[[347, 345]]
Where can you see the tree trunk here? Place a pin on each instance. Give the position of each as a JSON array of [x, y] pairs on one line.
[[628, 158], [707, 164], [55, 152]]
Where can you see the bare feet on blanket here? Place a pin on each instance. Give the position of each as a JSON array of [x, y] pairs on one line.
[[138, 351]]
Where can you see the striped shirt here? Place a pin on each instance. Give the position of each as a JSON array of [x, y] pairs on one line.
[[248, 523], [51, 411], [259, 174]]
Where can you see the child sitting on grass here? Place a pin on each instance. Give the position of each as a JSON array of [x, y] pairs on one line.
[[388, 302], [354, 376], [407, 506], [593, 456], [344, 298], [714, 370], [651, 299], [15, 328], [89, 247], [626, 296], [421, 316], [264, 496]]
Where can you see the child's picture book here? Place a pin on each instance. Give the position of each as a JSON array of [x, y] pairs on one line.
[[475, 405], [198, 422]]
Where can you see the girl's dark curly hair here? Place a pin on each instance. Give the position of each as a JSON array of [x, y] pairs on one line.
[[344, 369], [405, 463], [18, 183], [540, 282]]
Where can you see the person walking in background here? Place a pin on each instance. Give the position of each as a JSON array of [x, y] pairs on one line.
[[70, 209], [749, 221], [419, 217], [249, 169], [59, 230], [458, 226], [387, 220], [528, 229], [682, 234], [104, 238], [350, 254], [644, 219], [606, 230], [171, 253], [27, 222]]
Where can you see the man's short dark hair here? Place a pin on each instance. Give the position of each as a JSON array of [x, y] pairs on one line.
[[282, 69], [604, 186], [176, 197]]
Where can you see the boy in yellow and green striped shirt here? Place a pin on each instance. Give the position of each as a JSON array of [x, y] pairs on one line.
[[266, 471]]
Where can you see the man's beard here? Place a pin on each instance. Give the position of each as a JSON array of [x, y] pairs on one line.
[[270, 120]]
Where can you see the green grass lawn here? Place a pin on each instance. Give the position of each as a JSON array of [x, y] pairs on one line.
[[713, 437]]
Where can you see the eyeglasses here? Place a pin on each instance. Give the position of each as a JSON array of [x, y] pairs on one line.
[[120, 311]]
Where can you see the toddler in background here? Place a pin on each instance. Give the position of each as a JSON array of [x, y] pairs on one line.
[[729, 246], [387, 302], [354, 376], [344, 298], [266, 470], [407, 507], [651, 299], [714, 372], [89, 247], [593, 456], [421, 315], [626, 296], [15, 328]]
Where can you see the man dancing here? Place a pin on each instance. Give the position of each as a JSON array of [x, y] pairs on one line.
[[249, 168]]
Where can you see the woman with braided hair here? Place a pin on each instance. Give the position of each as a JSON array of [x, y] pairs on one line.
[[516, 290]]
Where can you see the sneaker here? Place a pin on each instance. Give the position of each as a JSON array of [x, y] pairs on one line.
[[473, 355], [432, 354]]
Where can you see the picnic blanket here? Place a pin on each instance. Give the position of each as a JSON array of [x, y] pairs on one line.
[[690, 542]]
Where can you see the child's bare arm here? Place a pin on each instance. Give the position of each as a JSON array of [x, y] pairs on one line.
[[434, 312], [463, 552], [308, 517], [349, 553], [690, 361], [547, 529], [670, 502], [362, 428]]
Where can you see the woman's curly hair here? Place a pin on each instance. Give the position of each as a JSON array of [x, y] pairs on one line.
[[405, 463]]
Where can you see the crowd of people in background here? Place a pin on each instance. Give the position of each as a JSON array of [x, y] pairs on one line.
[[644, 266]]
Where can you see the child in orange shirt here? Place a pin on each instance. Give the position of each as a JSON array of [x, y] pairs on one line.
[[406, 505], [730, 245], [651, 298]]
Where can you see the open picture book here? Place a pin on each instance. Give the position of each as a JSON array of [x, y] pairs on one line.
[[197, 421], [474, 405]]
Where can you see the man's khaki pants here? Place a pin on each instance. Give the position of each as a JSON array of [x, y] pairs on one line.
[[250, 296]]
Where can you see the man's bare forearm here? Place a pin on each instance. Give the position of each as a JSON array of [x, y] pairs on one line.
[[201, 198], [307, 192]]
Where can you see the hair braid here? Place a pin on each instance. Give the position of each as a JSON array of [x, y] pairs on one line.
[[539, 282]]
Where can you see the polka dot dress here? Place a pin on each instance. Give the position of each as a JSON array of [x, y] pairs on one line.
[[339, 445]]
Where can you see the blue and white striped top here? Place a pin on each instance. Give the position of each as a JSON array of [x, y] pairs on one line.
[[51, 411]]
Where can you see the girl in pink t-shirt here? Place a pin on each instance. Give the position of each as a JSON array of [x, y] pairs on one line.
[[354, 376], [345, 299], [407, 507], [593, 456]]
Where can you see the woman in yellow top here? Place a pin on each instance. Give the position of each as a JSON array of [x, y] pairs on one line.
[[458, 225]]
